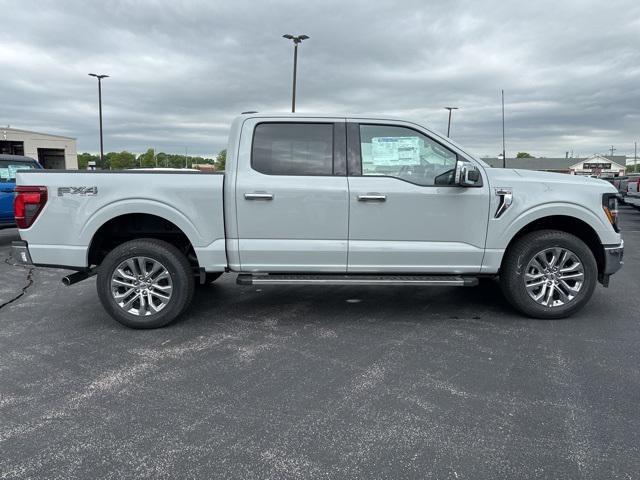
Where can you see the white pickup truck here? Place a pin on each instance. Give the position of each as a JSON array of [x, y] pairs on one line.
[[323, 200], [632, 191]]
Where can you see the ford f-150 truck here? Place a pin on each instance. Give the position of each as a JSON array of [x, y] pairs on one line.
[[323, 200]]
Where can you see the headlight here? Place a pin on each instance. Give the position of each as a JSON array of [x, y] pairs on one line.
[[610, 206]]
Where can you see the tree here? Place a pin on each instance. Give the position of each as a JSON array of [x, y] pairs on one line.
[[122, 160], [524, 155], [221, 160], [147, 159], [85, 158]]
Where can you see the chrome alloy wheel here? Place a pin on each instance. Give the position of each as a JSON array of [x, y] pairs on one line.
[[141, 286], [554, 277]]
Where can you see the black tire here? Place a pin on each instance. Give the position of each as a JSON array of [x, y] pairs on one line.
[[177, 266], [517, 257]]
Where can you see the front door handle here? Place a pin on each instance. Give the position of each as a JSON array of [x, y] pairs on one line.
[[372, 197], [258, 196], [7, 190]]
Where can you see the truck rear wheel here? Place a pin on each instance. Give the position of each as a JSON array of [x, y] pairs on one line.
[[548, 274], [145, 283]]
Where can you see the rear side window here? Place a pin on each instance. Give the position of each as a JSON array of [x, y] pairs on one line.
[[293, 148], [8, 169]]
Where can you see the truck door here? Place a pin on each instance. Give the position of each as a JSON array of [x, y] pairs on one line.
[[406, 214], [292, 196]]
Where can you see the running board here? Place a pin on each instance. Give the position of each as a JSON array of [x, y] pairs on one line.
[[293, 279]]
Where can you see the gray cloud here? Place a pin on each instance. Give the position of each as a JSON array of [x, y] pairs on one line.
[[180, 71]]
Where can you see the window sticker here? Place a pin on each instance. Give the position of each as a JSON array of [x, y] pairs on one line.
[[15, 168], [4, 173], [391, 151]]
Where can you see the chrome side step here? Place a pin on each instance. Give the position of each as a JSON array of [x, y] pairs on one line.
[[332, 279]]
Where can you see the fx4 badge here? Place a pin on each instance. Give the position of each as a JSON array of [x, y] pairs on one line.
[[83, 191]]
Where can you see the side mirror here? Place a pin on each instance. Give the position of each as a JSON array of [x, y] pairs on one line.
[[468, 175]]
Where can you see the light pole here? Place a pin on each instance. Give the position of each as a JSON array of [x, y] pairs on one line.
[[296, 40], [100, 77], [449, 124], [504, 153]]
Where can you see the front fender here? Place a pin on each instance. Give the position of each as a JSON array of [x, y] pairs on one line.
[[501, 231], [499, 235]]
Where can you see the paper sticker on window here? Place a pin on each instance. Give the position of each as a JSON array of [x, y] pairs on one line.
[[15, 168], [4, 173], [388, 151]]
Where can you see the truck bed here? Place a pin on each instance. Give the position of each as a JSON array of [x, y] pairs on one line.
[[80, 202]]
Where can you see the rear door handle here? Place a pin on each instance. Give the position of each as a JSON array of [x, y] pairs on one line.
[[372, 197], [258, 196]]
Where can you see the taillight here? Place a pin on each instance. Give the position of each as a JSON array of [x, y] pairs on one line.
[[610, 206], [28, 204]]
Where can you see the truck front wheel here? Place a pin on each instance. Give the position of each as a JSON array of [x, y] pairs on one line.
[[145, 283], [548, 274]]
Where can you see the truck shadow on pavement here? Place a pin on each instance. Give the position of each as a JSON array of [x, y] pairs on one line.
[[346, 303]]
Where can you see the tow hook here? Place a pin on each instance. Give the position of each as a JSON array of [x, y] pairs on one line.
[[78, 277]]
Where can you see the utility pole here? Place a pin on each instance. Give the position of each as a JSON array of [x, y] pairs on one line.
[[100, 77], [297, 39], [635, 157], [504, 155], [155, 159], [449, 123], [612, 150], [185, 156]]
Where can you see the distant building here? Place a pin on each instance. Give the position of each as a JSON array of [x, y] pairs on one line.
[[51, 151], [594, 165]]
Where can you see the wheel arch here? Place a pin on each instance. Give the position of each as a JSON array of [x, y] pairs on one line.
[[564, 223], [130, 226]]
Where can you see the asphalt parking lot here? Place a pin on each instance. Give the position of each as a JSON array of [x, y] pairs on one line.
[[312, 382]]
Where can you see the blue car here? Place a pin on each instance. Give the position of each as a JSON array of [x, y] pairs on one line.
[[9, 165]]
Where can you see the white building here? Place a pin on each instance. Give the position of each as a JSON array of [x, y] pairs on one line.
[[599, 166], [596, 165], [51, 151]]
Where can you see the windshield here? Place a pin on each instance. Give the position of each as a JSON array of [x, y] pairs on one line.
[[9, 168]]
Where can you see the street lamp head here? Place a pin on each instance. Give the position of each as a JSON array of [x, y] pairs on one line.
[[451, 108], [98, 76], [296, 38]]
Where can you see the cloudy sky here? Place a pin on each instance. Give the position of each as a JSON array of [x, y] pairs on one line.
[[181, 70]]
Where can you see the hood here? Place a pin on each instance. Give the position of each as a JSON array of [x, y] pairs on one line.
[[503, 174], [562, 177]]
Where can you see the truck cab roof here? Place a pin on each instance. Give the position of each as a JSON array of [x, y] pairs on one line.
[[16, 158]]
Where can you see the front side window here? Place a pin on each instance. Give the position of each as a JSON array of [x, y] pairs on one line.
[[8, 170], [293, 148], [404, 153]]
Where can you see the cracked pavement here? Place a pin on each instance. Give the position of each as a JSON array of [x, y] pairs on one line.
[[15, 278], [307, 382]]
